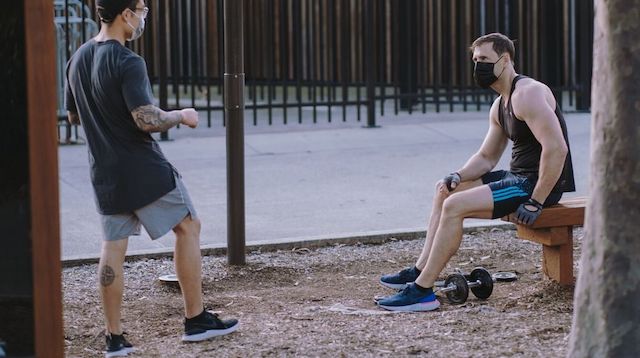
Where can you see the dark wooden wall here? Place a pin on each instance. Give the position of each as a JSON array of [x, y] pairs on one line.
[[30, 270]]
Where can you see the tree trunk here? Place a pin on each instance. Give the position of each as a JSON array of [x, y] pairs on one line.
[[606, 321]]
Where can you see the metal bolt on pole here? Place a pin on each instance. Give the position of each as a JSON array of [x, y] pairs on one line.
[[234, 110]]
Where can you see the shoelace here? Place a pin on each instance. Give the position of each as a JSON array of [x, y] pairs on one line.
[[212, 315], [405, 290]]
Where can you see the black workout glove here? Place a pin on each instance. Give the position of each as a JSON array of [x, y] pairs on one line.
[[526, 216], [450, 179]]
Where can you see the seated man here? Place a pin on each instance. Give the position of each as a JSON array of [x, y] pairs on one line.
[[526, 113]]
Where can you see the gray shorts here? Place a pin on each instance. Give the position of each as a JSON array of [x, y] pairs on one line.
[[158, 218]]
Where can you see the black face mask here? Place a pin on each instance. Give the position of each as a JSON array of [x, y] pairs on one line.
[[483, 73]]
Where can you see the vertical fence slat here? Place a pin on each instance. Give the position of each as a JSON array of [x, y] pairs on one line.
[[297, 18], [344, 55], [313, 59], [284, 73], [331, 60]]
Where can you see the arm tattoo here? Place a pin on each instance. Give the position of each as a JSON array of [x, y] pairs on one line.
[[150, 118], [107, 275], [73, 118]]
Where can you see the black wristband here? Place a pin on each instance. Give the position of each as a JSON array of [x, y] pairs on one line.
[[535, 203]]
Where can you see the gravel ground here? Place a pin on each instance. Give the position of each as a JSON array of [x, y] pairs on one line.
[[310, 303]]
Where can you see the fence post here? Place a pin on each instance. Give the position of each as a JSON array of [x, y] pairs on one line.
[[407, 55], [234, 109], [584, 22], [162, 76], [370, 63]]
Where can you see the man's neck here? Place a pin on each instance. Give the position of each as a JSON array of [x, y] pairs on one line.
[[111, 33], [503, 84]]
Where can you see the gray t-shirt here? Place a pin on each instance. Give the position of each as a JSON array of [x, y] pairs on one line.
[[105, 82]]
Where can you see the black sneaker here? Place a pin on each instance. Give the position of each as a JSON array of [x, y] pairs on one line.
[[399, 280], [207, 325], [117, 346]]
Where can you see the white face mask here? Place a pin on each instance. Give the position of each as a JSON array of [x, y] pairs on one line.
[[137, 31]]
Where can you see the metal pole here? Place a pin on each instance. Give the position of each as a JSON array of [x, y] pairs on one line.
[[162, 45], [234, 109], [369, 64]]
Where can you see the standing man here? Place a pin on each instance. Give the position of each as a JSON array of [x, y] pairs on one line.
[[526, 113], [109, 93]]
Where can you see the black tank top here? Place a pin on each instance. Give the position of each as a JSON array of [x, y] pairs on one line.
[[525, 157]]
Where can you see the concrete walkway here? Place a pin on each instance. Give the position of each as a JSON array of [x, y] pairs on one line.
[[307, 181]]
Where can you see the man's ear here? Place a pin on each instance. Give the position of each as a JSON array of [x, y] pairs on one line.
[[125, 13], [507, 60]]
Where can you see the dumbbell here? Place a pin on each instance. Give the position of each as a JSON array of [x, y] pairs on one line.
[[481, 283], [456, 287]]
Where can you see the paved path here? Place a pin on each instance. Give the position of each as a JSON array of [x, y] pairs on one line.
[[308, 180]]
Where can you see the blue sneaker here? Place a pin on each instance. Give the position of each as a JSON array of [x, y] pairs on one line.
[[399, 280], [410, 299]]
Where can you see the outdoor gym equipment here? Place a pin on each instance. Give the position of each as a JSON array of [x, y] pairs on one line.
[[456, 287]]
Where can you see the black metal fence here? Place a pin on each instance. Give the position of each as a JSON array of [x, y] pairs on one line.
[[327, 60]]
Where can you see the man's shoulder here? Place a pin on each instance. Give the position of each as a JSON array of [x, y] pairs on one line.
[[109, 49], [528, 85], [529, 93], [495, 107], [129, 58], [84, 50]]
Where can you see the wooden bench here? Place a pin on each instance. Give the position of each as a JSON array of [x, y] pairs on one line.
[[554, 230]]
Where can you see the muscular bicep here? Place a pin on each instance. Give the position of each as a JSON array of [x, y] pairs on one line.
[[538, 111], [150, 118], [495, 141]]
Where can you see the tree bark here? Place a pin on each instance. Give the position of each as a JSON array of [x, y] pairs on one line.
[[606, 320]]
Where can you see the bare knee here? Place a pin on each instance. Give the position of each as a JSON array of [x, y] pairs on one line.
[[189, 227], [452, 208], [440, 195], [436, 187]]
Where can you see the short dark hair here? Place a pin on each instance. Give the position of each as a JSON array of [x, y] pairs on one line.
[[501, 44], [108, 10]]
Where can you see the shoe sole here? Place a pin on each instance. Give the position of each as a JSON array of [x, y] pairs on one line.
[[416, 307], [394, 286], [121, 353], [210, 334]]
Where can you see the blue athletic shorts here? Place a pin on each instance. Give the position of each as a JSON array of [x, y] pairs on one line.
[[509, 190]]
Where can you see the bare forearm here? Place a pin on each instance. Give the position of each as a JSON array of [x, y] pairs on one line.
[[551, 166], [73, 118], [150, 118], [475, 167]]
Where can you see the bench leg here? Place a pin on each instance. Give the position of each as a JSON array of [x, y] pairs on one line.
[[557, 261]]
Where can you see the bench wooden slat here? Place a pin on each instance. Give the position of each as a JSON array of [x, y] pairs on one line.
[[567, 212], [548, 236]]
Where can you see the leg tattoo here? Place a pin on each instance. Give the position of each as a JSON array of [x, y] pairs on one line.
[[107, 275]]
